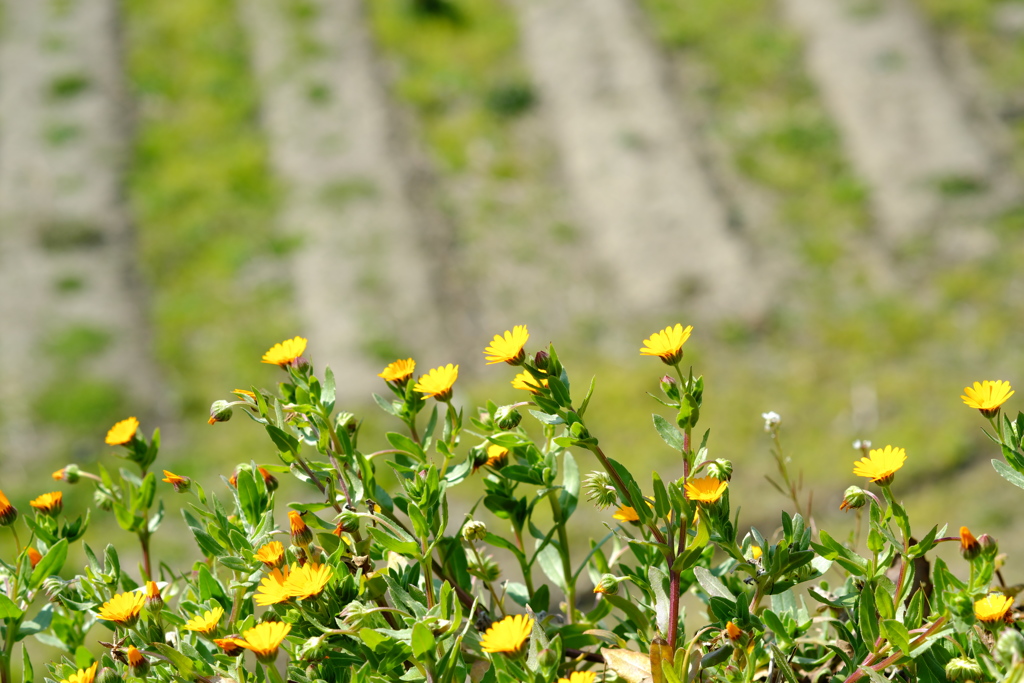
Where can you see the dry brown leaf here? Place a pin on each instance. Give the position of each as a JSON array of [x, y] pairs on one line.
[[634, 667]]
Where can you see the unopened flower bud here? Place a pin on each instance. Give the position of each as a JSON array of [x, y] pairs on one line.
[[34, 556], [478, 455], [547, 658], [8, 513], [483, 567], [600, 490], [103, 500], [474, 531], [1010, 647], [269, 480], [441, 627], [989, 547], [855, 497], [608, 585], [540, 359], [348, 522], [154, 601], [54, 586], [220, 411], [108, 674], [720, 469], [671, 387], [507, 417], [181, 484], [302, 536], [962, 669], [733, 632], [230, 645], [69, 473], [970, 548], [348, 422], [579, 431], [138, 665]]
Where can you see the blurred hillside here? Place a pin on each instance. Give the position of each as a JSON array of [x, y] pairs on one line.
[[828, 190]]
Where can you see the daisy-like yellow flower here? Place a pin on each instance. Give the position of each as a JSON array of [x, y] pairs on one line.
[[495, 455], [625, 513], [527, 382], [705, 489], [264, 639], [438, 382], [231, 646], [398, 371], [881, 464], [206, 623], [992, 608], [507, 635], [301, 534], [49, 503], [244, 393], [273, 588], [34, 557], [286, 352], [181, 484], [667, 344], [123, 609], [508, 348], [579, 677], [987, 396], [308, 581], [138, 665], [122, 432], [271, 554], [733, 631], [83, 675], [154, 601]]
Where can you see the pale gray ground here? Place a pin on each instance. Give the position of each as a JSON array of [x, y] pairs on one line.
[[641, 196], [905, 128], [363, 270], [61, 210]]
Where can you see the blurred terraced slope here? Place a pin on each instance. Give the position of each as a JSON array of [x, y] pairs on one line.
[[830, 190]]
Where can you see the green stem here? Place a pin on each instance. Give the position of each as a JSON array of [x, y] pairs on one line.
[[563, 550], [621, 485], [272, 673], [144, 541]]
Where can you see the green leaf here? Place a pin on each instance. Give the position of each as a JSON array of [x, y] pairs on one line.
[[329, 391], [387, 406], [672, 436], [662, 504], [586, 399], [782, 664], [404, 443], [423, 642], [27, 673], [559, 392], [393, 544], [867, 618], [551, 564], [711, 584], [1008, 473], [182, 663], [897, 634], [285, 442], [51, 563], [8, 609]]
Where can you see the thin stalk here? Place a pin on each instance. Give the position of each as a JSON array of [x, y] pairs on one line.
[[272, 673], [673, 598], [500, 604], [144, 541], [17, 541], [316, 481], [596, 450], [563, 550]]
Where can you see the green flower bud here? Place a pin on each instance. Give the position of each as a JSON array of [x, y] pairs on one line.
[[483, 567], [220, 411], [507, 418], [720, 469], [540, 360], [348, 522], [600, 490], [103, 500], [989, 547], [108, 675], [1010, 647], [670, 386], [547, 658], [474, 531], [69, 473], [579, 431], [138, 665], [962, 669], [348, 422], [608, 585], [855, 497]]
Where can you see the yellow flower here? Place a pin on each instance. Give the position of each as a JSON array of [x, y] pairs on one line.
[[273, 588], [667, 344], [83, 675], [58, 475], [172, 478], [579, 677], [525, 380], [705, 489], [154, 601], [398, 371], [508, 349], [34, 556], [271, 553], [755, 552], [122, 432], [207, 622], [264, 639], [969, 546], [507, 635], [245, 393], [123, 609], [626, 513], [495, 454], [308, 580], [987, 396], [881, 464], [992, 608], [733, 631], [231, 645], [49, 503], [135, 658], [438, 382], [286, 352]]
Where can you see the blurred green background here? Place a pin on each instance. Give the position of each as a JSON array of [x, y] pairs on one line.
[[852, 327]]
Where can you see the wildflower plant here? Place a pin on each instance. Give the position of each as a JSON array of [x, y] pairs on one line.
[[362, 582]]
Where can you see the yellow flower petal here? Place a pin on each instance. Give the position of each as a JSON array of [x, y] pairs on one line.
[[285, 352], [507, 635], [508, 348]]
